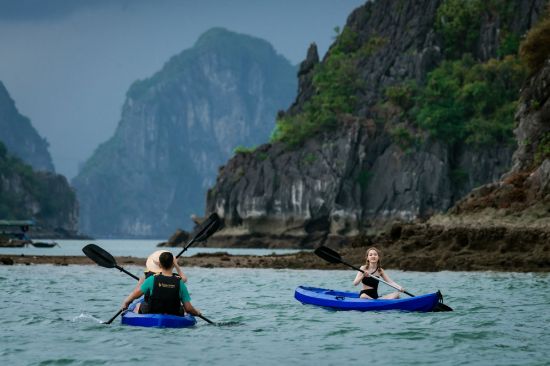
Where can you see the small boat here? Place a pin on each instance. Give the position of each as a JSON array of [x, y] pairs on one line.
[[341, 300], [40, 244], [155, 320], [14, 239]]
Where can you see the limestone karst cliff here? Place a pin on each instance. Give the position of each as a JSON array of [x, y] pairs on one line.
[[20, 137], [412, 107], [177, 127]]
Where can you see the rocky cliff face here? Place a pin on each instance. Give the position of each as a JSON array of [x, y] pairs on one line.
[[43, 196], [176, 129], [357, 175], [20, 137], [522, 197]]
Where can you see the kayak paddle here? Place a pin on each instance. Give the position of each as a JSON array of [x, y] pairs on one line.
[[114, 317], [105, 259], [204, 231], [332, 256]]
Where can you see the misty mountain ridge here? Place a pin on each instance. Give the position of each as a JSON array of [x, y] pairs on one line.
[[177, 127], [29, 188], [20, 137]]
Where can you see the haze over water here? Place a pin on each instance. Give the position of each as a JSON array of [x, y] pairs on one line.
[[51, 316]]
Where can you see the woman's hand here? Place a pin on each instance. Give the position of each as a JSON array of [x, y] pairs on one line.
[[401, 289], [125, 304]]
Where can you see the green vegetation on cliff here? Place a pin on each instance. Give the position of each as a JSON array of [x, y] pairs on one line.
[[464, 100], [471, 102], [535, 49], [337, 84], [458, 22], [21, 189]]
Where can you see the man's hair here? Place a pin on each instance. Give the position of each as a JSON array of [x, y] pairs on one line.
[[166, 260]]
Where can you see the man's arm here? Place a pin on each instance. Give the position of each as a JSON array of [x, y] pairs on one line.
[[191, 309]]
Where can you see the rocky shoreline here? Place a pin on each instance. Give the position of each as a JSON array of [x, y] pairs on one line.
[[410, 247]]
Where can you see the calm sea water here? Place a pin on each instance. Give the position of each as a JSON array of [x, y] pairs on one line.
[[134, 248], [51, 316]]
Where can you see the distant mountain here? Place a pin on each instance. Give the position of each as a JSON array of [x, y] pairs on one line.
[[177, 128], [20, 137]]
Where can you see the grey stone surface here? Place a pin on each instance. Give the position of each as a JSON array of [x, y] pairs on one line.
[[354, 177], [176, 129]]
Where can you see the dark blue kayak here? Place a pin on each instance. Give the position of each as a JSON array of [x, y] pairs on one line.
[[156, 320], [341, 300]]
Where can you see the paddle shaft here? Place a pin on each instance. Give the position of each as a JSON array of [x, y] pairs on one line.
[[213, 223], [206, 319], [375, 277], [125, 271], [114, 317], [185, 248]]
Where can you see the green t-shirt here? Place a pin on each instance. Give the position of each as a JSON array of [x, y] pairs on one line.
[[149, 283]]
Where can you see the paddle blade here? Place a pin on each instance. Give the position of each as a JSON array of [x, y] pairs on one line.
[[328, 254], [207, 228], [442, 307], [99, 255], [204, 231]]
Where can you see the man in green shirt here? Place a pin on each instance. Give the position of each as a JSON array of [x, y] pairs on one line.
[[164, 292]]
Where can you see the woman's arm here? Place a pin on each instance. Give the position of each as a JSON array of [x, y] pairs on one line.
[[133, 295], [180, 272], [359, 276], [387, 278]]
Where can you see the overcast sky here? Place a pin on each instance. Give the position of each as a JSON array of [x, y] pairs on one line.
[[68, 63]]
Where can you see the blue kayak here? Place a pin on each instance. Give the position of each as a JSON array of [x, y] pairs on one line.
[[341, 300], [156, 320]]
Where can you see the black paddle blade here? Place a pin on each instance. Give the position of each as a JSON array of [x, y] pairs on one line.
[[442, 307], [208, 227], [328, 254], [99, 255]]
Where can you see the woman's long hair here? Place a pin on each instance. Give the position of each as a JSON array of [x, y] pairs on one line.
[[378, 264]]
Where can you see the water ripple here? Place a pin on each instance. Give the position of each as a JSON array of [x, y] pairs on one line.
[[499, 318]]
